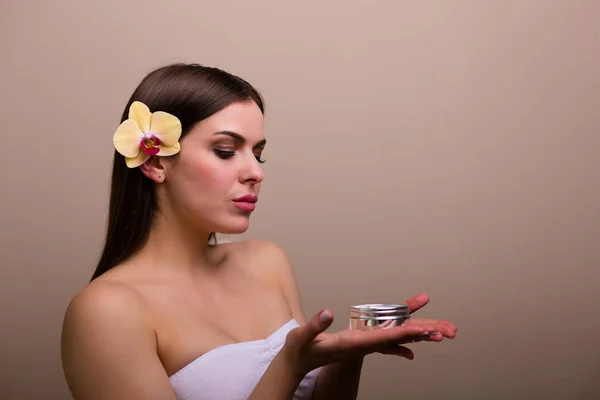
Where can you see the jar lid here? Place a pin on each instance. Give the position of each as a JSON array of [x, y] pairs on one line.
[[379, 311]]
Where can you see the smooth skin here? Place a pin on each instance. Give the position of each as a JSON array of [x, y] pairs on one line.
[[126, 332]]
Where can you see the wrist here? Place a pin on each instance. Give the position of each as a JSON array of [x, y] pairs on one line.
[[291, 365], [339, 380], [348, 365], [290, 361], [280, 380]]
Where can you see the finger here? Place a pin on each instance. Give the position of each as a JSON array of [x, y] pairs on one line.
[[446, 328], [425, 337], [398, 351], [417, 302], [373, 340], [436, 321], [429, 337], [388, 324], [308, 332], [427, 325]]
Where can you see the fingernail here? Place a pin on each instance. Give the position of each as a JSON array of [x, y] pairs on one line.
[[325, 317], [427, 335]]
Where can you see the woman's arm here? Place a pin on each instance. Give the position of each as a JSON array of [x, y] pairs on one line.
[[282, 377], [109, 348], [339, 354], [280, 380], [337, 381], [307, 347]]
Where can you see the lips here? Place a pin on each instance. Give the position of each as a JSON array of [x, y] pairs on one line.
[[247, 198], [246, 202]]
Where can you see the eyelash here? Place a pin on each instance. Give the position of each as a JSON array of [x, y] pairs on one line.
[[228, 154]]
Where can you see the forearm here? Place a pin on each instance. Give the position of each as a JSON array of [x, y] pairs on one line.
[[279, 382], [339, 381]]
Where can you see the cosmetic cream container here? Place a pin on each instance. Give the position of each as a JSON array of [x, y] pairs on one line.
[[378, 316]]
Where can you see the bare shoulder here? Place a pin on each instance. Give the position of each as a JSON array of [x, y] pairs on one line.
[[98, 317], [103, 303], [108, 345], [264, 248], [264, 256], [273, 263]]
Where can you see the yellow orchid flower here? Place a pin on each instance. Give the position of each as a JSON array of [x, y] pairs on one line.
[[145, 134]]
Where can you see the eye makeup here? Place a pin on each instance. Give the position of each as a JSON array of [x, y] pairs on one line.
[[229, 142]]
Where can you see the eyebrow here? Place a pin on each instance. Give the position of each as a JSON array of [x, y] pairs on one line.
[[240, 139]]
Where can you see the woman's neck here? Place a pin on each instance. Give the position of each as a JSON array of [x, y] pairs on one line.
[[173, 244]]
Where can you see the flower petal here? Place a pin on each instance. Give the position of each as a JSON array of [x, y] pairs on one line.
[[166, 127], [137, 161], [169, 150], [127, 138], [140, 113]]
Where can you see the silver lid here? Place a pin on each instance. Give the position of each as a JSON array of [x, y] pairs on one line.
[[379, 311]]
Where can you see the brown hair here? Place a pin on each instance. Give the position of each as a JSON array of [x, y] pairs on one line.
[[191, 92]]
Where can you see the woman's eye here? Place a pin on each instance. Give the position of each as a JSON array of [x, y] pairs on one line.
[[224, 154]]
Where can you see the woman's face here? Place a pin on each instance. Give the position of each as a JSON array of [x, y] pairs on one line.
[[217, 166]]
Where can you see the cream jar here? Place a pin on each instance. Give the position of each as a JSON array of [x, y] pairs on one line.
[[378, 316]]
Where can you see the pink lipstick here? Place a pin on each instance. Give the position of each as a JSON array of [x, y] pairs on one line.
[[246, 202]]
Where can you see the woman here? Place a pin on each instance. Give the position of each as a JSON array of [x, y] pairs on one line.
[[170, 314]]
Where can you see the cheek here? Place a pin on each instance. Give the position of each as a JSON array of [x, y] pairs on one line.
[[210, 174]]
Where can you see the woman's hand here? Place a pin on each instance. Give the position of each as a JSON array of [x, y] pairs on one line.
[[308, 347], [445, 329]]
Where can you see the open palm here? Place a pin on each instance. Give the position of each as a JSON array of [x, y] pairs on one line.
[[310, 346]]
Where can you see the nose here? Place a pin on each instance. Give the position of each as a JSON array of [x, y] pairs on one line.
[[251, 171]]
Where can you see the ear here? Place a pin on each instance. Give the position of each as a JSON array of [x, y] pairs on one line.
[[153, 169]]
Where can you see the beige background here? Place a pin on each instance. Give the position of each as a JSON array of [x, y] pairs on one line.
[[451, 147]]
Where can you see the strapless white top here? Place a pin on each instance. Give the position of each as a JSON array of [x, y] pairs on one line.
[[232, 371]]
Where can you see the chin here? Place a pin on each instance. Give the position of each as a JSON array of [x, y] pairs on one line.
[[233, 227]]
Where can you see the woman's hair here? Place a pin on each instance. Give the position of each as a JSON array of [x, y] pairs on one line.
[[191, 92]]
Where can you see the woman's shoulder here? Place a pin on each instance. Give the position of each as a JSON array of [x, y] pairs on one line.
[[258, 248], [273, 263], [260, 254], [263, 258], [105, 305], [108, 334], [105, 293]]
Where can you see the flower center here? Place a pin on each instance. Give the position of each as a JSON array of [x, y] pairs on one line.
[[150, 144]]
